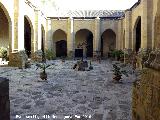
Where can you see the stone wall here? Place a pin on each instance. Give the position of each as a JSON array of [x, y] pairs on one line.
[[15, 10], [146, 96], [4, 99]]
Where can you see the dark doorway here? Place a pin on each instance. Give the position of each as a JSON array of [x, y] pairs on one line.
[[138, 35], [78, 52], [27, 37], [90, 45], [61, 48]]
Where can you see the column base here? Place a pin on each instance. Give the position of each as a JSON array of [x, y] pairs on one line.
[[18, 59], [96, 55], [70, 54]]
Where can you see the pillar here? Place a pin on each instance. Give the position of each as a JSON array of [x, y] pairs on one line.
[[144, 24], [21, 25], [70, 38], [37, 31], [97, 36], [128, 43], [49, 41], [16, 14]]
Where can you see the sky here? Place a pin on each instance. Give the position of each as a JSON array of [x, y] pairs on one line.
[[49, 6], [95, 4]]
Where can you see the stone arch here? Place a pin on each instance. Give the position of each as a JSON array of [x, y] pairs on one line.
[[60, 43], [108, 42], [137, 34], [42, 38], [28, 36], [83, 43], [6, 25]]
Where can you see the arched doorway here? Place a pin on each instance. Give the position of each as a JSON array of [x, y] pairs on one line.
[[84, 43], [42, 38], [60, 43], [137, 33], [108, 42], [27, 35], [6, 30]]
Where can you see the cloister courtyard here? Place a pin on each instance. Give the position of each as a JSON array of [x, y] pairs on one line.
[[93, 95], [81, 64]]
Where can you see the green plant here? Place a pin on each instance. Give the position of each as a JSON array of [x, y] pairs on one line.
[[117, 54], [43, 66], [3, 52], [49, 54], [118, 72], [90, 66]]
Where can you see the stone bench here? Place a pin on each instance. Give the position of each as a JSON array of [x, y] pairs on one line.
[[4, 99]]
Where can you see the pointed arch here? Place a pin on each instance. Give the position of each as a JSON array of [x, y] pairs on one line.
[[108, 42], [84, 41], [137, 34], [60, 43], [6, 25]]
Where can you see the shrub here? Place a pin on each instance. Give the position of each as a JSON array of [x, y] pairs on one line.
[[117, 54], [49, 54], [3, 52]]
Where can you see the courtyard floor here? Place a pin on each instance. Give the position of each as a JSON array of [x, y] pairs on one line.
[[90, 94]]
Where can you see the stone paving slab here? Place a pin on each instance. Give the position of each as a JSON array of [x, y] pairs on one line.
[[90, 94]]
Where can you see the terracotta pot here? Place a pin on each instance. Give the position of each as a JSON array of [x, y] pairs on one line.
[[43, 75]]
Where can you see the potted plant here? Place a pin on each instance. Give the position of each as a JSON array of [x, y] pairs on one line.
[[90, 66], [118, 73], [3, 53], [49, 54], [116, 54], [43, 74]]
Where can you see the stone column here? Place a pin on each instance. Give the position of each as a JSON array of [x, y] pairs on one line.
[[97, 40], [70, 38], [21, 25], [128, 42], [119, 38], [149, 23], [49, 41], [16, 14], [36, 48], [144, 26], [18, 34], [37, 32]]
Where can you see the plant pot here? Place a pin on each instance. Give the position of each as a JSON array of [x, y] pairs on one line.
[[117, 77], [43, 75], [91, 67]]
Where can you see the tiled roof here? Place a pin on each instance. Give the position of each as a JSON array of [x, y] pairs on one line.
[[90, 13]]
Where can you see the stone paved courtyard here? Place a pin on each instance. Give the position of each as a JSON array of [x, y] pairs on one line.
[[90, 94]]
